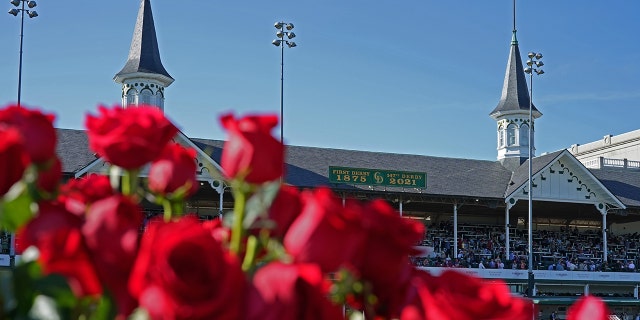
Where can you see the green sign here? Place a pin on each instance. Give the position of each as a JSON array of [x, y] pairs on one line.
[[375, 177]]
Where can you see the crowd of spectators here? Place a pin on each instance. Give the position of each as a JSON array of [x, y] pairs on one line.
[[570, 249]]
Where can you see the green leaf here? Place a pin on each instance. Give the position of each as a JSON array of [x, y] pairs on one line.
[[7, 299], [56, 287], [259, 202], [24, 276], [105, 309], [15, 208]]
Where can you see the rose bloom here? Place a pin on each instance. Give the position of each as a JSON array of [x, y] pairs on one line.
[[56, 234], [454, 295], [79, 193], [251, 151], [588, 308], [14, 158], [290, 292], [49, 175], [284, 209], [183, 272], [36, 129], [174, 169], [111, 231], [129, 137], [385, 253], [325, 232]]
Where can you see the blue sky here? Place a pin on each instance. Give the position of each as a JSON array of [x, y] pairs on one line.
[[416, 77]]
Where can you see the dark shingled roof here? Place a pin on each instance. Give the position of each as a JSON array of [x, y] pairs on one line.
[[308, 167], [515, 93], [73, 150], [144, 55], [623, 183]]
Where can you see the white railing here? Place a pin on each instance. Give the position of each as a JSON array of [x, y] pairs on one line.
[[602, 162]]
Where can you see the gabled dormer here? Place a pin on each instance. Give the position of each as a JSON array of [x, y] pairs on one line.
[[143, 77], [512, 113]]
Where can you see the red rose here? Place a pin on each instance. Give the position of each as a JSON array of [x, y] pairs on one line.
[[290, 292], [325, 232], [111, 231], [174, 169], [454, 295], [79, 193], [251, 152], [385, 253], [49, 175], [56, 234], [588, 308], [35, 127], [131, 137], [14, 158], [183, 272], [284, 209]]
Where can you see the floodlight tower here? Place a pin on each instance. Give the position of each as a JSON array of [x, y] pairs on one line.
[[533, 66], [284, 35], [32, 14]]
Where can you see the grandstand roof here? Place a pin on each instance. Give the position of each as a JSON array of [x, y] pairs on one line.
[[308, 167]]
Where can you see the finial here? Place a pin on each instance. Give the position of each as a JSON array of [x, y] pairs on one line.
[[514, 40]]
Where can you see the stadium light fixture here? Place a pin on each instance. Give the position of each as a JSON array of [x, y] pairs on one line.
[[533, 66]]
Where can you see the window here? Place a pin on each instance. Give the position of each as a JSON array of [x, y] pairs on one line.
[[145, 97], [501, 136], [512, 132], [159, 99], [524, 135], [130, 98]]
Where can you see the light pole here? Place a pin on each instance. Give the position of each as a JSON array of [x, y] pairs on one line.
[[284, 34], [533, 65], [32, 14]]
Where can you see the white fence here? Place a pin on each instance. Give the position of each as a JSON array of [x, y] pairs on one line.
[[574, 276]]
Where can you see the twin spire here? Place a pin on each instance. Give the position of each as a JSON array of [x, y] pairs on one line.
[[512, 112], [144, 55], [515, 93], [144, 78]]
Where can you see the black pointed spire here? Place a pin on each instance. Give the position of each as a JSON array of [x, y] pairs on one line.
[[144, 56], [515, 93]]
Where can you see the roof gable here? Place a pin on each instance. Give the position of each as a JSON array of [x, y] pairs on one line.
[[207, 168], [560, 177]]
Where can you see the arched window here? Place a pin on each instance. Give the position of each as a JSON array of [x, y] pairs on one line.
[[130, 98], [500, 136], [160, 99], [524, 135], [512, 132], [145, 97]]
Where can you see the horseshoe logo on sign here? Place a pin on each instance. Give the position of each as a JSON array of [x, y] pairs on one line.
[[378, 177]]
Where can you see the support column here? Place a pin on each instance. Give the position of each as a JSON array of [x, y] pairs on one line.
[[635, 292], [506, 227], [12, 250], [219, 187], [586, 289], [603, 210], [400, 206], [455, 231], [221, 206]]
